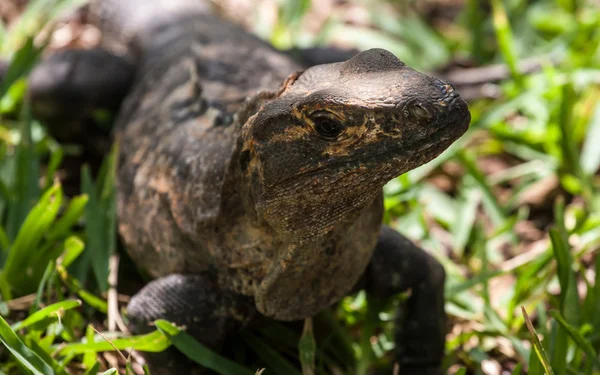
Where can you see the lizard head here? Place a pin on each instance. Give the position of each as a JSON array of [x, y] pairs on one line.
[[320, 151]]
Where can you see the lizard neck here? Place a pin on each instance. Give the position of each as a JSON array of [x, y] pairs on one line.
[[286, 275], [237, 186]]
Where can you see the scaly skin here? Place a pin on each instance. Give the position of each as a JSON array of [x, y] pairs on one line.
[[265, 180], [253, 193]]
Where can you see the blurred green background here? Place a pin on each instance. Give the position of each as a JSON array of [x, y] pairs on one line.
[[511, 210]]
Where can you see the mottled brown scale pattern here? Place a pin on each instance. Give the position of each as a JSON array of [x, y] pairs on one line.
[[237, 164]]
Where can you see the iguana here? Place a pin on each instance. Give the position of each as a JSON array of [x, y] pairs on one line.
[[248, 184]]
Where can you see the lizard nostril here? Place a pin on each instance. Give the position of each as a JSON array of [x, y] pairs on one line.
[[449, 95], [446, 91]]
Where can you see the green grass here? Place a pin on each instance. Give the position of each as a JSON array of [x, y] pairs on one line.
[[523, 288]]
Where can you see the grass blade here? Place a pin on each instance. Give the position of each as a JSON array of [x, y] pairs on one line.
[[198, 352], [272, 359], [25, 186], [23, 249], [506, 40], [94, 369], [307, 348], [24, 355], [72, 214], [22, 62], [46, 312], [568, 297], [537, 345], [590, 154], [151, 342], [98, 303], [73, 247], [579, 340], [100, 215]]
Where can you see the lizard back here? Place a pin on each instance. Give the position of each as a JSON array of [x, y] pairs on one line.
[[176, 127]]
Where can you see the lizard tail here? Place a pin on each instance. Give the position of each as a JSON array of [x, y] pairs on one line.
[[131, 27]]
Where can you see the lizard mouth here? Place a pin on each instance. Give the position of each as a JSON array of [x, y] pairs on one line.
[[449, 130]]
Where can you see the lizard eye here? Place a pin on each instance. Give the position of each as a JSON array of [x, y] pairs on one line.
[[327, 125], [420, 111]]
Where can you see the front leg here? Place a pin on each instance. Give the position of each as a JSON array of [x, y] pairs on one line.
[[209, 314], [396, 266]]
